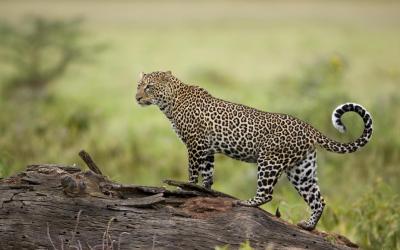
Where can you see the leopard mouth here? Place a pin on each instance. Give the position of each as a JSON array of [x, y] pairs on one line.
[[143, 102]]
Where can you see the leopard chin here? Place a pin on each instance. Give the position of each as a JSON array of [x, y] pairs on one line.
[[145, 103]]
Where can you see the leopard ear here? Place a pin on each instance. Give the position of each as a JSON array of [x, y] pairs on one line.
[[141, 75], [168, 72]]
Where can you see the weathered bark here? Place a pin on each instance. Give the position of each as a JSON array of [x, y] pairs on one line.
[[62, 207]]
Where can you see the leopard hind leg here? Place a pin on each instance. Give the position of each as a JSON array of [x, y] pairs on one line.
[[269, 171], [304, 178]]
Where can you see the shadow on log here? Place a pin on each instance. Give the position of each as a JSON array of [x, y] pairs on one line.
[[62, 207]]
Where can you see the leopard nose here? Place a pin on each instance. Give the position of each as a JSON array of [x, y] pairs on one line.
[[138, 98]]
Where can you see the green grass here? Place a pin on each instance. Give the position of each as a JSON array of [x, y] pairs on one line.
[[300, 59]]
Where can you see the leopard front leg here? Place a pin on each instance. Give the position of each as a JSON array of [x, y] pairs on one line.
[[207, 170], [194, 167], [268, 174], [201, 159]]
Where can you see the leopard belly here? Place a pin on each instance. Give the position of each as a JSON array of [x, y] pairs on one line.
[[241, 149]]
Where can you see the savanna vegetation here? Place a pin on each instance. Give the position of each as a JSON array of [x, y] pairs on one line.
[[68, 85]]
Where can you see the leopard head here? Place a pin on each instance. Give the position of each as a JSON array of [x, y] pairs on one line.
[[156, 88]]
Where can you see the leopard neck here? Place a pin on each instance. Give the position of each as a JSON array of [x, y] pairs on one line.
[[170, 105]]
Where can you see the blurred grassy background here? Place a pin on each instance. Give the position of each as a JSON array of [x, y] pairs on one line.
[[296, 57]]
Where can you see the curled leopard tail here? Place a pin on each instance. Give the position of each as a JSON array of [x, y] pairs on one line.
[[338, 147]]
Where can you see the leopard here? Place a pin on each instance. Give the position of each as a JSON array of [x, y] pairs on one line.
[[278, 143]]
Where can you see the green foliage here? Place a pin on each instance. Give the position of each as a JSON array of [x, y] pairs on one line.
[[314, 85], [5, 168], [40, 50], [376, 217], [243, 246], [226, 247]]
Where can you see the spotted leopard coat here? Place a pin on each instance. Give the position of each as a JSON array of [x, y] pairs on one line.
[[276, 142]]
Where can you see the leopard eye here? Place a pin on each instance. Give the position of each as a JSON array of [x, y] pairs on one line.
[[149, 86]]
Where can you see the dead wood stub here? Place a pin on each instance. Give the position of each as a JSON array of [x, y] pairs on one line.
[[89, 162], [51, 206]]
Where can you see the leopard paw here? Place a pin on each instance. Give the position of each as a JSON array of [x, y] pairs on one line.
[[306, 226]]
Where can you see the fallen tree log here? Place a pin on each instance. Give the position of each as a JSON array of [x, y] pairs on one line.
[[61, 207]]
